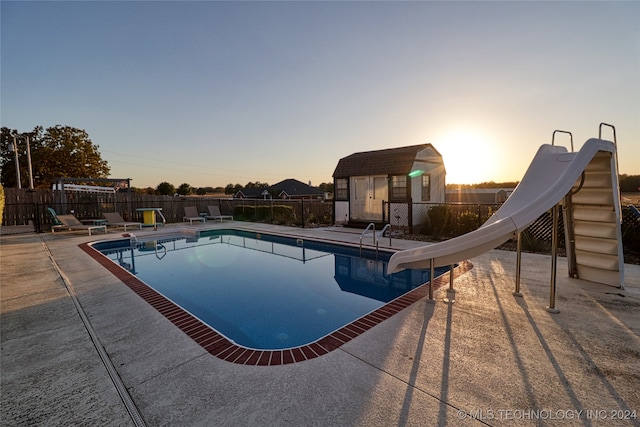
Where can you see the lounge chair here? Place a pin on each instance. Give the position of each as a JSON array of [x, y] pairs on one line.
[[214, 213], [71, 223], [55, 222], [191, 214], [114, 219]]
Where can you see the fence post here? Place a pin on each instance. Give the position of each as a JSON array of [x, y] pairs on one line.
[[36, 219], [384, 212], [410, 215]]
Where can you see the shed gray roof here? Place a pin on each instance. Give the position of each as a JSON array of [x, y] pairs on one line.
[[391, 161]]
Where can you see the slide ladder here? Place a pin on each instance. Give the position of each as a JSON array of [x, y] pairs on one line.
[[592, 223]]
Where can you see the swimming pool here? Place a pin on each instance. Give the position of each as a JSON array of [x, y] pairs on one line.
[[270, 293]]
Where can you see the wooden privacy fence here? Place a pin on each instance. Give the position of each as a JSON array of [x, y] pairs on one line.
[[23, 207]]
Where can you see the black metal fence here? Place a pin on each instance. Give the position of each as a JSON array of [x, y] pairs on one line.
[[444, 221], [437, 219]]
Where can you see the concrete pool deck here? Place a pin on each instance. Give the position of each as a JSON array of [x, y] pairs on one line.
[[490, 358]]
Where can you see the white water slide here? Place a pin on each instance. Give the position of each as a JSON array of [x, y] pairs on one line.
[[585, 182]]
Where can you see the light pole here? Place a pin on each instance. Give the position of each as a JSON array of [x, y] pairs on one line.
[[29, 164], [14, 147]]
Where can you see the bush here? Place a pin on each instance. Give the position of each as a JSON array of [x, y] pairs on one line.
[[439, 220], [466, 222], [276, 214], [531, 243], [283, 215]]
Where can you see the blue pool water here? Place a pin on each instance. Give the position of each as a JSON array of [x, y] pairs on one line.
[[263, 291]]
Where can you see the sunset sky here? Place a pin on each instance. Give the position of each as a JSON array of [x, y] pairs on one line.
[[212, 93]]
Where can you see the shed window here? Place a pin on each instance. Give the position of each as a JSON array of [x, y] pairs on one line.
[[426, 188], [341, 190], [398, 187]]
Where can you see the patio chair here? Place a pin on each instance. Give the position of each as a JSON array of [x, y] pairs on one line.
[[214, 213], [191, 214], [114, 219], [56, 224], [71, 223]]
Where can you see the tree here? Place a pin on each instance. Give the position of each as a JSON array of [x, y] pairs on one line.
[[184, 189], [256, 184], [232, 189], [165, 189], [326, 187], [629, 183], [58, 151], [201, 191]]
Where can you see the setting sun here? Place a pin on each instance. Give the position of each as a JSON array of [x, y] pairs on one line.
[[469, 157]]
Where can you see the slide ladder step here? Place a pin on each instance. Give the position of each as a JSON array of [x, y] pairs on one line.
[[594, 196], [607, 277], [597, 260], [596, 245], [600, 162], [595, 229], [596, 179], [593, 213]]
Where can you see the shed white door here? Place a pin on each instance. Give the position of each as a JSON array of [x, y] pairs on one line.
[[367, 194]]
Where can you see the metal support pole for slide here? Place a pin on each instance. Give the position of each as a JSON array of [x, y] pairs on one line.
[[451, 292], [517, 292], [432, 275], [554, 258], [451, 278]]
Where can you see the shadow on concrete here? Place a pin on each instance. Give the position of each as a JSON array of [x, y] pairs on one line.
[[577, 405], [512, 342], [444, 381], [417, 360]]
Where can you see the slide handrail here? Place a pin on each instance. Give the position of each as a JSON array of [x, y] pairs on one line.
[[553, 137]]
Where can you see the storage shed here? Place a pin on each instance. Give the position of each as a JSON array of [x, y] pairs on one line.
[[365, 183]]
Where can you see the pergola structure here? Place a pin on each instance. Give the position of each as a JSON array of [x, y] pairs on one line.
[[64, 184]]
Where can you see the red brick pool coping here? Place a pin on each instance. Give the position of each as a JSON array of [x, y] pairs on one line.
[[220, 347]]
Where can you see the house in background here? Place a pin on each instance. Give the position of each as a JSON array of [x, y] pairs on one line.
[[253, 193], [290, 189], [294, 189], [400, 176]]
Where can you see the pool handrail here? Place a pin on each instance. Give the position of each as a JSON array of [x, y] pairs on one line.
[[381, 233], [373, 227]]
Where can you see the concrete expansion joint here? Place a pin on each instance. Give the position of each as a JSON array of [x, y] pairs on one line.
[[127, 400]]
